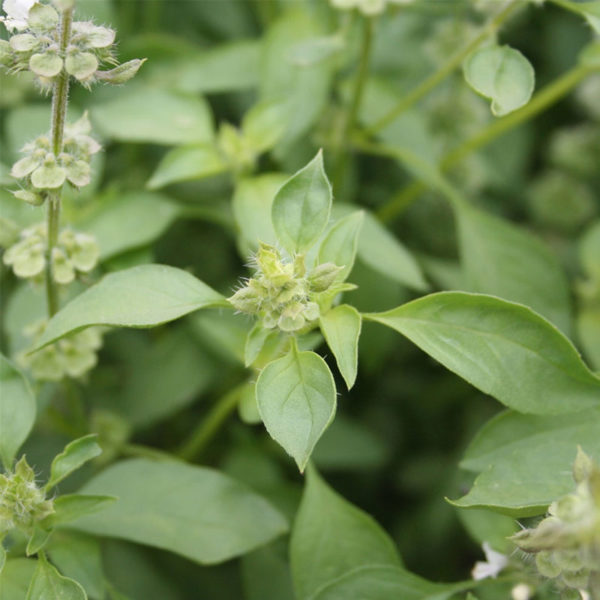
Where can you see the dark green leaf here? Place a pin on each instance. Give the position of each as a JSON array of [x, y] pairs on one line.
[[75, 455], [504, 349]]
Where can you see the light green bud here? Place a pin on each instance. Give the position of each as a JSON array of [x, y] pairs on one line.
[[246, 300], [546, 565], [24, 167], [570, 594], [23, 42], [5, 53], [576, 579], [85, 252], [79, 173], [49, 64], [42, 17], [63, 270], [582, 467], [29, 197], [77, 361], [311, 311], [26, 261], [121, 74], [48, 176], [82, 65], [291, 318], [323, 276], [22, 503]]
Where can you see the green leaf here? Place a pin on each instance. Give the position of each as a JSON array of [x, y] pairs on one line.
[[340, 243], [504, 349], [147, 114], [341, 329], [193, 511], [501, 260], [501, 74], [264, 124], [296, 400], [15, 578], [588, 329], [266, 574], [227, 67], [38, 540], [252, 201], [160, 375], [305, 89], [69, 507], [381, 582], [525, 460], [324, 524], [2, 558], [381, 251], [255, 341], [79, 557], [187, 163], [129, 221], [590, 10], [142, 296], [48, 584], [75, 455], [301, 208], [17, 411]]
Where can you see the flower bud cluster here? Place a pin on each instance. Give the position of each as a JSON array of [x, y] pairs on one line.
[[43, 170], [71, 356], [22, 503], [238, 151], [367, 7], [74, 253], [566, 544], [37, 46], [282, 294]]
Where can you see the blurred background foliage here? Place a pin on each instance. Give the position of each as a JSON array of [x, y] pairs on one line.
[[399, 434]]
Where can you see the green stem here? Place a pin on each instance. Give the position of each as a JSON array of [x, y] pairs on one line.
[[60, 97], [445, 70], [551, 94], [210, 425], [357, 94], [140, 450]]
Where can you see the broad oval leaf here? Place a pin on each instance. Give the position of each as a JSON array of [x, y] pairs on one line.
[[525, 460], [129, 221], [69, 507], [252, 201], [501, 74], [187, 163], [15, 578], [341, 328], [296, 400], [340, 243], [264, 124], [301, 208], [75, 455], [142, 296], [17, 411], [148, 114], [380, 250], [504, 349], [48, 584], [501, 260], [325, 523], [193, 511], [385, 582], [79, 556]]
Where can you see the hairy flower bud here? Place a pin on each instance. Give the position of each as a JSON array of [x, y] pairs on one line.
[[121, 74]]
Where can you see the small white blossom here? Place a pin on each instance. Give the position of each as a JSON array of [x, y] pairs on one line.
[[17, 12], [521, 591], [495, 562]]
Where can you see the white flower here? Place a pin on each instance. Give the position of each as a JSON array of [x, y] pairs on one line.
[[495, 562], [17, 12], [521, 591]]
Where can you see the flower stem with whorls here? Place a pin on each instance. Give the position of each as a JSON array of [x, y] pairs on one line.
[[60, 97]]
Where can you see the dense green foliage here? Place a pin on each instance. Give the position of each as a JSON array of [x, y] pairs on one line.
[[309, 308]]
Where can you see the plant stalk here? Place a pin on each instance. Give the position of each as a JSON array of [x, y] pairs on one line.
[[551, 94], [60, 97], [210, 425], [445, 70], [357, 94]]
